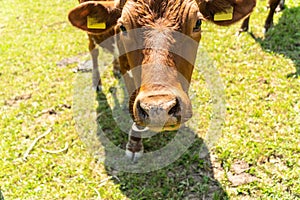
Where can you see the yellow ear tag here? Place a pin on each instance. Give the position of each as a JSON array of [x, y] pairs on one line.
[[94, 24], [223, 16]]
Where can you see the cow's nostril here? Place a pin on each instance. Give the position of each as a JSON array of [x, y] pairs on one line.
[[175, 109], [141, 111]]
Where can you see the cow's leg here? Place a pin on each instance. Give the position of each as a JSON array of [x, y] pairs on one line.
[[269, 21], [245, 25], [134, 147], [280, 7], [94, 51], [116, 68], [116, 62], [96, 74]]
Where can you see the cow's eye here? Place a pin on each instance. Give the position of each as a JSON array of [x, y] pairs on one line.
[[198, 25], [123, 29]]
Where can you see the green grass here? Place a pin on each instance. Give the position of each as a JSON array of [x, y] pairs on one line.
[[262, 126]]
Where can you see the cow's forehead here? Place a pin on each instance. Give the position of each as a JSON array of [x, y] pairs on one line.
[[144, 12]]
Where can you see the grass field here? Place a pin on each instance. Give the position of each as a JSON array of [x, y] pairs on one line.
[[257, 157]]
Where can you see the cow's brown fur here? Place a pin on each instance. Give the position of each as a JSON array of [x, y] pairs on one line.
[[161, 18], [158, 91], [102, 35], [242, 8], [273, 5], [148, 11]]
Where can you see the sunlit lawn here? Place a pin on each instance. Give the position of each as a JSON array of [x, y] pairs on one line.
[[261, 135]]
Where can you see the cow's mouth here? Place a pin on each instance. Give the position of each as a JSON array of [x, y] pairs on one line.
[[172, 125]]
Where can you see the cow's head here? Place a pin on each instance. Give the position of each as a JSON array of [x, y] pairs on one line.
[[159, 39]]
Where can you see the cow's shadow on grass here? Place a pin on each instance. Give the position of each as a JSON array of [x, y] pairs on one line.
[[189, 177], [284, 38]]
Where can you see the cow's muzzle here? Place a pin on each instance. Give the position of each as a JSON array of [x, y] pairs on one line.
[[159, 112]]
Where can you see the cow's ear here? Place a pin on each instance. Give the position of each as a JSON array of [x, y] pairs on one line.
[[95, 17], [226, 12]]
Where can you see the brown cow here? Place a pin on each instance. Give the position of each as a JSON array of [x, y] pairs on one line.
[[274, 5], [95, 39], [158, 41]]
